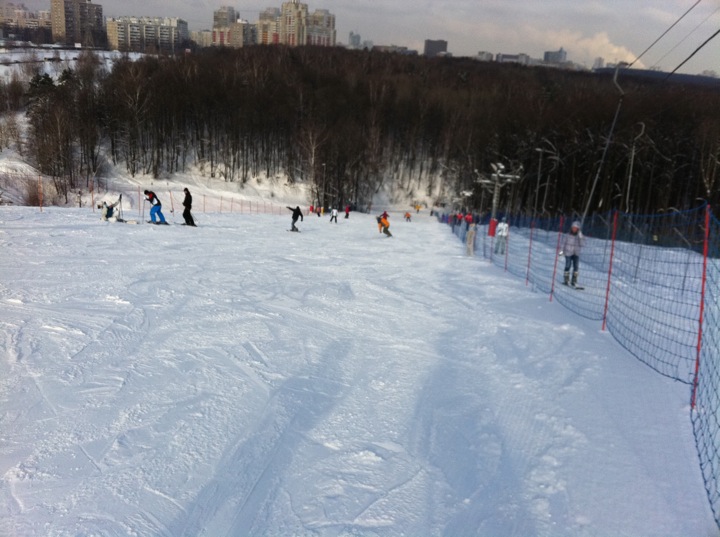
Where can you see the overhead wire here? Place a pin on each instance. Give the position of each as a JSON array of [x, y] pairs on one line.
[[657, 63], [713, 36], [665, 32]]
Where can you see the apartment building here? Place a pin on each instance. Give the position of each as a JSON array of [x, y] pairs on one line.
[[77, 21], [238, 34], [147, 34], [268, 27], [19, 16], [224, 17], [321, 29], [293, 23], [435, 47], [230, 31]]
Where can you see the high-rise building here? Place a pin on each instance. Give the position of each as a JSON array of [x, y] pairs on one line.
[[268, 27], [224, 17], [321, 29], [77, 21], [293, 23], [203, 38], [555, 57], [238, 34], [19, 16], [147, 34], [435, 47], [354, 40]]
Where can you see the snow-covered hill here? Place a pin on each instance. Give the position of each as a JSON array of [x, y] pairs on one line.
[[236, 379]]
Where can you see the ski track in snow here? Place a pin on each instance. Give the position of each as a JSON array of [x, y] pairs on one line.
[[234, 379]]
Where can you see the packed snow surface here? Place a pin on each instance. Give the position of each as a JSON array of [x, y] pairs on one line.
[[236, 379]]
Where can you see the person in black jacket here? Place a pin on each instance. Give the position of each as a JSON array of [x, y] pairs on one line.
[[296, 213], [187, 203]]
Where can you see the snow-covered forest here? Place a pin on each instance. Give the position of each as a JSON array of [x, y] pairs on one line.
[[351, 122]]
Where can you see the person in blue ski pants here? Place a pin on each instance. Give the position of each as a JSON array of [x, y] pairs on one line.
[[156, 210]]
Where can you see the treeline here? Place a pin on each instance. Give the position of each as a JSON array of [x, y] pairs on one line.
[[349, 122]]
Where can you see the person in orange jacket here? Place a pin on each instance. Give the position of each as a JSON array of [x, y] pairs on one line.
[[379, 218], [384, 224]]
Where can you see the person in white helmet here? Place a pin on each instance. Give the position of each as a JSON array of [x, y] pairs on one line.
[[571, 247]]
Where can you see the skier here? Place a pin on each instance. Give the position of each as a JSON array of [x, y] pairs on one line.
[[408, 217], [296, 213], [109, 210], [385, 224], [333, 215], [187, 203], [156, 210], [470, 240], [501, 236], [347, 212], [572, 244]]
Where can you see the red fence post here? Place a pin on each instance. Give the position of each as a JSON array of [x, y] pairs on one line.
[[610, 267], [702, 307]]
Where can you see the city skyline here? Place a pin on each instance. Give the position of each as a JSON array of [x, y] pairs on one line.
[[615, 30]]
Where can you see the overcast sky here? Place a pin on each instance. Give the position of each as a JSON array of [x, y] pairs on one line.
[[616, 30]]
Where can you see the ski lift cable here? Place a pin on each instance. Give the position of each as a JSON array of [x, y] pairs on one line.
[[665, 32], [686, 37], [713, 36]]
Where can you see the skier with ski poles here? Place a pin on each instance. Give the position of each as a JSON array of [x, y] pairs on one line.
[[572, 245], [156, 210]]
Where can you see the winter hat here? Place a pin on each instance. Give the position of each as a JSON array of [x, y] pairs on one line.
[[575, 224]]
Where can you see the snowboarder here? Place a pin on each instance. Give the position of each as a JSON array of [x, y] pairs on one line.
[[187, 203], [572, 245], [501, 236], [379, 221], [108, 210], [296, 213], [333, 215], [385, 224], [156, 210]]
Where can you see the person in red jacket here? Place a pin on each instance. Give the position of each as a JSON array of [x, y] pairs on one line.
[[156, 210]]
